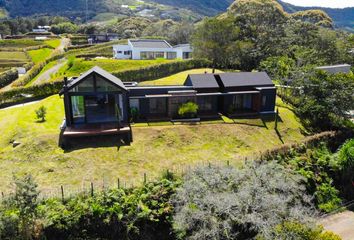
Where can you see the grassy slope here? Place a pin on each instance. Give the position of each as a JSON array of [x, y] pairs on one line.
[[54, 43], [177, 79], [154, 149], [19, 43], [40, 55], [9, 56], [110, 65]]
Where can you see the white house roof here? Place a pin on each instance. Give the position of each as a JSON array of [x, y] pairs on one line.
[[341, 68], [149, 43]]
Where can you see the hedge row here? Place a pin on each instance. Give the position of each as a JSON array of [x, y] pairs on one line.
[[23, 94], [35, 70], [333, 138], [79, 46], [8, 77], [161, 70], [17, 95]]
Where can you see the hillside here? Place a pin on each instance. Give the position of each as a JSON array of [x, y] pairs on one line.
[[343, 18]]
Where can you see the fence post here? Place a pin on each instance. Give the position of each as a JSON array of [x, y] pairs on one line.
[[276, 119], [62, 193], [228, 163], [118, 183], [92, 189], [144, 178]]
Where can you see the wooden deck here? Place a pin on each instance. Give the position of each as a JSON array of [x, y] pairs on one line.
[[95, 130]]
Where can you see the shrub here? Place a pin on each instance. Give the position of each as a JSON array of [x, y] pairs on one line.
[[8, 77], [19, 211], [41, 113], [188, 109], [229, 203], [296, 230]]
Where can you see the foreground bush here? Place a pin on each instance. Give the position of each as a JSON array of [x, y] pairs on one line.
[[229, 203], [136, 213]]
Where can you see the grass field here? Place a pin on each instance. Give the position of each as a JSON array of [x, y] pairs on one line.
[[177, 79], [13, 56], [155, 148], [54, 43], [19, 43], [40, 55], [111, 65]]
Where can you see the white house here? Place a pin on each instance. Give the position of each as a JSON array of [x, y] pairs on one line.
[[138, 49]]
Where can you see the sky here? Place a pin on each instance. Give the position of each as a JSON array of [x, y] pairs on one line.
[[322, 3]]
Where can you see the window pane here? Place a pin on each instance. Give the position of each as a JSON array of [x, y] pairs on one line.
[[104, 86], [85, 86], [78, 109]]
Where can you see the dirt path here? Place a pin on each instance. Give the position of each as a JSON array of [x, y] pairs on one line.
[[341, 224], [47, 74]]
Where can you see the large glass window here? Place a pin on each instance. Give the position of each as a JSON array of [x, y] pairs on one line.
[[152, 55], [158, 105], [205, 103], [101, 108], [84, 86], [78, 109], [243, 101], [104, 86], [171, 55]]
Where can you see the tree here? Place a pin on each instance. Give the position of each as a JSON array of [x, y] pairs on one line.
[[213, 40], [41, 113], [229, 203], [65, 27], [278, 68], [325, 99]]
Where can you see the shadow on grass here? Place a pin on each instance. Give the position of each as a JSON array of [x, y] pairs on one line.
[[74, 144], [279, 136], [247, 121]]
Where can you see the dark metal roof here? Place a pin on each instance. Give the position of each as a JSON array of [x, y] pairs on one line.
[[106, 75], [245, 79], [206, 80], [150, 43]]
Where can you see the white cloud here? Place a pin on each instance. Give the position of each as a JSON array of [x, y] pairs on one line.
[[321, 3]]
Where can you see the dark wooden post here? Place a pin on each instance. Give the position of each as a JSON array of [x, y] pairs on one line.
[[92, 189], [62, 193], [118, 183], [276, 119], [144, 178]]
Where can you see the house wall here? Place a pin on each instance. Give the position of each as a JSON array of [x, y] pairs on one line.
[[270, 95], [122, 48], [183, 49]]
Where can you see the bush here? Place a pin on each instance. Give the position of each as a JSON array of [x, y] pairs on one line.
[[8, 77], [41, 113], [162, 70], [229, 203], [188, 110], [295, 231]]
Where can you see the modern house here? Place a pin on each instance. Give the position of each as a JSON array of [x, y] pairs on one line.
[[98, 103], [232, 94], [139, 49], [102, 38]]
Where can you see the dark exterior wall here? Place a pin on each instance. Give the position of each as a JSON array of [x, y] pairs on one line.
[[270, 102], [136, 92]]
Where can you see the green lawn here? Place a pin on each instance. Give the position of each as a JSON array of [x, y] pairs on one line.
[[111, 65], [177, 79], [19, 43], [40, 55], [155, 148], [13, 56], [54, 43]]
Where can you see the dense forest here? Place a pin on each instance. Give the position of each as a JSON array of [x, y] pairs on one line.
[[76, 9]]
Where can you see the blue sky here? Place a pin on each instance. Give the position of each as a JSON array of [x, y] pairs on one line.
[[321, 3]]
